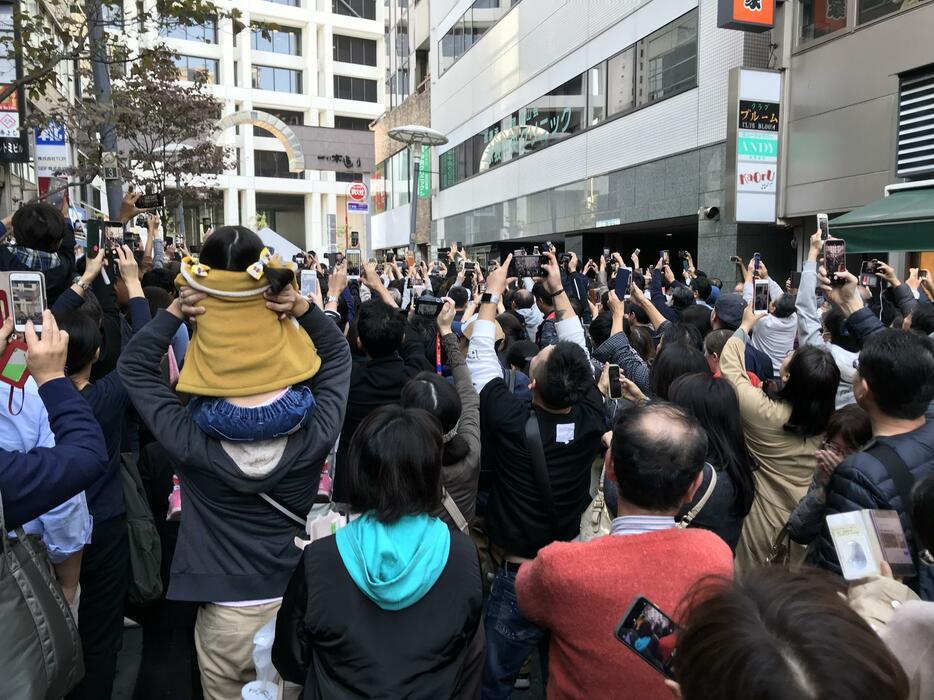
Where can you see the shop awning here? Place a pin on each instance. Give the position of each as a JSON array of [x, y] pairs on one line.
[[903, 221]]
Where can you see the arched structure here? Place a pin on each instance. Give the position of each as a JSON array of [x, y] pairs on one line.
[[275, 126]]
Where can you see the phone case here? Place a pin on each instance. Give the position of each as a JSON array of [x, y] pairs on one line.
[[13, 370]]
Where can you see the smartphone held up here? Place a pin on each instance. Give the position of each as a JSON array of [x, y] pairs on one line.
[[650, 634]]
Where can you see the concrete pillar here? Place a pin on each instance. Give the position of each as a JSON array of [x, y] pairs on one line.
[[248, 199], [231, 206], [314, 239]]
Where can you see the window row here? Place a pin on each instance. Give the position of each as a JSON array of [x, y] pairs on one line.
[[205, 33], [197, 69], [659, 66], [277, 79], [351, 49], [273, 164], [473, 24], [285, 40], [819, 18], [352, 123], [365, 9], [360, 89], [391, 182]]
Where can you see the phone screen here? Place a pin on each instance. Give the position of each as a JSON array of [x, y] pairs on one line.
[[616, 387], [663, 255], [761, 298], [354, 261], [835, 260], [309, 282], [756, 261], [651, 634], [15, 368], [867, 275], [823, 223], [795, 279], [28, 302], [527, 266], [623, 282], [92, 230], [113, 230], [429, 307], [153, 201]]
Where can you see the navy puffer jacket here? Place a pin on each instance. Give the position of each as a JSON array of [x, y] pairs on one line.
[[862, 481]]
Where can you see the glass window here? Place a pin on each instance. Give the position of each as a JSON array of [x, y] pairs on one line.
[[447, 166], [291, 3], [596, 94], [556, 115], [365, 9], [273, 164], [284, 40], [473, 24], [378, 188], [621, 92], [278, 79], [822, 17], [205, 33], [195, 68], [361, 89], [352, 123], [669, 60], [289, 117], [874, 9], [350, 49], [401, 178]]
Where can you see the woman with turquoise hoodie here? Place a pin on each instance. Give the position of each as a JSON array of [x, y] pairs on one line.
[[390, 606]]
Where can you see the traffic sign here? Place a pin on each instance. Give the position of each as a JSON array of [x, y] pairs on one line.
[[357, 191]]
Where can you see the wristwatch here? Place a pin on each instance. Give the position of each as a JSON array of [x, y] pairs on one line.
[[332, 299], [489, 298]]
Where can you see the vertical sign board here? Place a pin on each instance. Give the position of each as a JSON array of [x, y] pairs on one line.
[[424, 174], [14, 139], [754, 132], [51, 150], [746, 15]]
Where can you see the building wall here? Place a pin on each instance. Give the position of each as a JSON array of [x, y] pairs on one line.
[[843, 93], [541, 44]]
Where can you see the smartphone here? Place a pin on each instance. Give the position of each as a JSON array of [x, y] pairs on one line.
[[606, 254], [756, 261], [823, 223], [15, 370], [685, 265], [27, 294], [536, 250], [651, 634], [354, 261], [58, 186], [867, 274], [835, 260], [548, 247], [922, 274], [760, 299], [113, 233], [92, 230], [299, 259], [308, 282], [527, 266], [663, 256], [636, 252], [470, 266], [155, 200], [736, 259], [616, 386], [623, 282], [795, 279], [428, 306], [169, 240]]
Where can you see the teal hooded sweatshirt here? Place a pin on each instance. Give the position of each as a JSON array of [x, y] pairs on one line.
[[395, 565]]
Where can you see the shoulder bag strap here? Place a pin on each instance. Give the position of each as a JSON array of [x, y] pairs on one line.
[[451, 507], [533, 440], [282, 509], [900, 474], [699, 506]]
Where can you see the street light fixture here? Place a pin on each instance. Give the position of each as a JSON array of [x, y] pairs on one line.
[[414, 137]]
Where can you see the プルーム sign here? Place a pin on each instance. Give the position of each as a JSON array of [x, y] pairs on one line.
[[357, 192]]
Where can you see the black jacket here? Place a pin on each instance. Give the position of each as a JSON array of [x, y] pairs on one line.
[[862, 481], [232, 544], [339, 644]]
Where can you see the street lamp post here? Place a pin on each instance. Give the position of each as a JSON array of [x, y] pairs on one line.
[[414, 137]]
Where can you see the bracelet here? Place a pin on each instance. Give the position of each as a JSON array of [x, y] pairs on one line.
[[559, 292], [84, 285]]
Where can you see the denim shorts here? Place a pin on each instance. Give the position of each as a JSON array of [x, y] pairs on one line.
[[221, 419]]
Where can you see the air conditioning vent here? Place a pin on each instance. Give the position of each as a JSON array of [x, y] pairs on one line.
[[916, 124]]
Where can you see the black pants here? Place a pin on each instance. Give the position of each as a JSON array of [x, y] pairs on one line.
[[105, 571], [168, 669]]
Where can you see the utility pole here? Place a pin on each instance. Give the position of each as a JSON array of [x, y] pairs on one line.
[[100, 73]]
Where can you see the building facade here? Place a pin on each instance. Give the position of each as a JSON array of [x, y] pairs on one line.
[[308, 63]]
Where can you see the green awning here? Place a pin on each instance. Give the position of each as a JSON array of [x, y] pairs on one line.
[[903, 221]]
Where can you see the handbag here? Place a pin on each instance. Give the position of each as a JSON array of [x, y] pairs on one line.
[[40, 651], [595, 522], [145, 545], [688, 518], [780, 549], [451, 507]]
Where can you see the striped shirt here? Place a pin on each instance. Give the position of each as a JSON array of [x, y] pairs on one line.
[[640, 524]]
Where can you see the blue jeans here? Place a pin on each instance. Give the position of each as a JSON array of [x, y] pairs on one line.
[[510, 638], [221, 419]]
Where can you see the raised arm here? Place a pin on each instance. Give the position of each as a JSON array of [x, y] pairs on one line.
[[481, 359], [809, 318], [567, 324]]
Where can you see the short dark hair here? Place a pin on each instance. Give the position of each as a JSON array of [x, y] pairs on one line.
[[640, 337], [679, 333], [523, 299], [716, 282], [922, 318], [394, 464], [600, 328], [460, 296], [380, 328], [158, 299], [673, 361], [715, 341], [697, 315], [922, 512], [431, 392], [682, 297], [785, 306], [564, 376], [787, 627], [520, 355], [811, 390], [84, 338], [92, 307], [638, 279], [851, 424], [641, 316], [542, 294], [658, 451], [835, 323], [235, 248], [899, 369], [702, 286], [160, 277], [40, 226]]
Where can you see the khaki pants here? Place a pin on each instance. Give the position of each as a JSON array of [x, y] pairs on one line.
[[224, 641]]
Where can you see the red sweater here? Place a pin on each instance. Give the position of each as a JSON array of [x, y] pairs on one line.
[[580, 591]]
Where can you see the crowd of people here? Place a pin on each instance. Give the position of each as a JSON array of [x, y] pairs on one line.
[[432, 477]]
